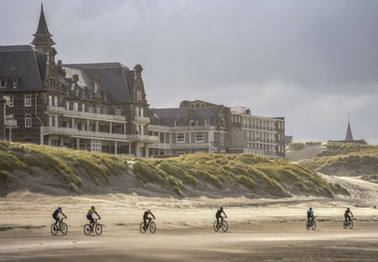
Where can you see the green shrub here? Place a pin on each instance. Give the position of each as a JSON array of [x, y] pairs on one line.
[[296, 146], [246, 181]]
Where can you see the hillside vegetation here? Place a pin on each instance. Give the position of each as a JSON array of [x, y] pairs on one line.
[[63, 171], [346, 159]]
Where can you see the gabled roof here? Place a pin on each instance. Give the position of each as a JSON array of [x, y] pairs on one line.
[[23, 64], [116, 79]]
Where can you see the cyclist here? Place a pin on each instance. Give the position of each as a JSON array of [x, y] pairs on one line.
[[310, 214], [90, 213], [218, 215], [55, 215], [347, 215], [146, 217]]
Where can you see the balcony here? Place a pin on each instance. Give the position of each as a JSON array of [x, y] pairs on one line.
[[142, 120], [85, 115], [161, 146], [10, 123], [143, 138], [71, 132]]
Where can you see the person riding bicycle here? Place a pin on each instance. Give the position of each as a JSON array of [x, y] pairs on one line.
[[55, 215], [347, 215], [90, 217], [218, 215], [310, 214], [146, 217]]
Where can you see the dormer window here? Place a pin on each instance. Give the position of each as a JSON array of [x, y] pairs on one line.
[[139, 95], [15, 83]]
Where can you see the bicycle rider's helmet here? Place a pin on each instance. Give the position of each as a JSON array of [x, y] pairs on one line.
[[348, 208], [59, 208], [310, 208], [221, 208], [93, 207]]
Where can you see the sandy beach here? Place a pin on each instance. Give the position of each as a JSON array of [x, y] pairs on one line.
[[259, 229]]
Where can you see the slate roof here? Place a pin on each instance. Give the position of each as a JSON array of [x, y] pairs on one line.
[[168, 116], [116, 79], [23, 64]]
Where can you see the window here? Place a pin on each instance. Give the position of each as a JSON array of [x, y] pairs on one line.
[[200, 137], [180, 137], [67, 105], [118, 111], [3, 83], [27, 100], [206, 122], [191, 122], [98, 109], [105, 110], [96, 146], [176, 122], [75, 106], [50, 100], [83, 107], [52, 82], [11, 101], [56, 101], [28, 120], [14, 83], [139, 95]]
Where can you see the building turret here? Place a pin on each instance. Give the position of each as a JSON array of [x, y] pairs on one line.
[[348, 135], [42, 37]]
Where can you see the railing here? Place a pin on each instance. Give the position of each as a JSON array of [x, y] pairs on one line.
[[157, 128], [191, 145], [47, 130], [142, 119], [85, 115], [10, 123], [161, 146]]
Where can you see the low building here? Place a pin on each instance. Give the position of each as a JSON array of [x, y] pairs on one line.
[[199, 126]]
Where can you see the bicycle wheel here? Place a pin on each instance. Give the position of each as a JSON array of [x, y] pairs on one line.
[[152, 227], [87, 229], [345, 224], [141, 228], [64, 228], [308, 225], [54, 229], [224, 226], [351, 224], [98, 229], [313, 225], [215, 226]]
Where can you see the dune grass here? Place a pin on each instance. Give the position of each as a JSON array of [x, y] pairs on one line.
[[348, 158]]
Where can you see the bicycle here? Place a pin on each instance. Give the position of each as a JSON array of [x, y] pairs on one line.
[[348, 223], [311, 224], [61, 226], [88, 228], [222, 225], [150, 224]]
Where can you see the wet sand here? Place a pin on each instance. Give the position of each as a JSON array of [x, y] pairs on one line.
[[259, 230]]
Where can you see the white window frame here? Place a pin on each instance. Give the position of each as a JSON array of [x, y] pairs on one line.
[[198, 138], [56, 103], [75, 106], [118, 111], [67, 105], [28, 120], [180, 137], [28, 100], [83, 107]]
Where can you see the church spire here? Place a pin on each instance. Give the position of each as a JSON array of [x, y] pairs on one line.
[[42, 37], [348, 135]]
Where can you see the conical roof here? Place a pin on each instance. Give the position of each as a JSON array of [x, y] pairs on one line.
[[42, 36], [348, 135]]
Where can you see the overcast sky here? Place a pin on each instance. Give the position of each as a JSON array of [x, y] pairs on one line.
[[310, 61]]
